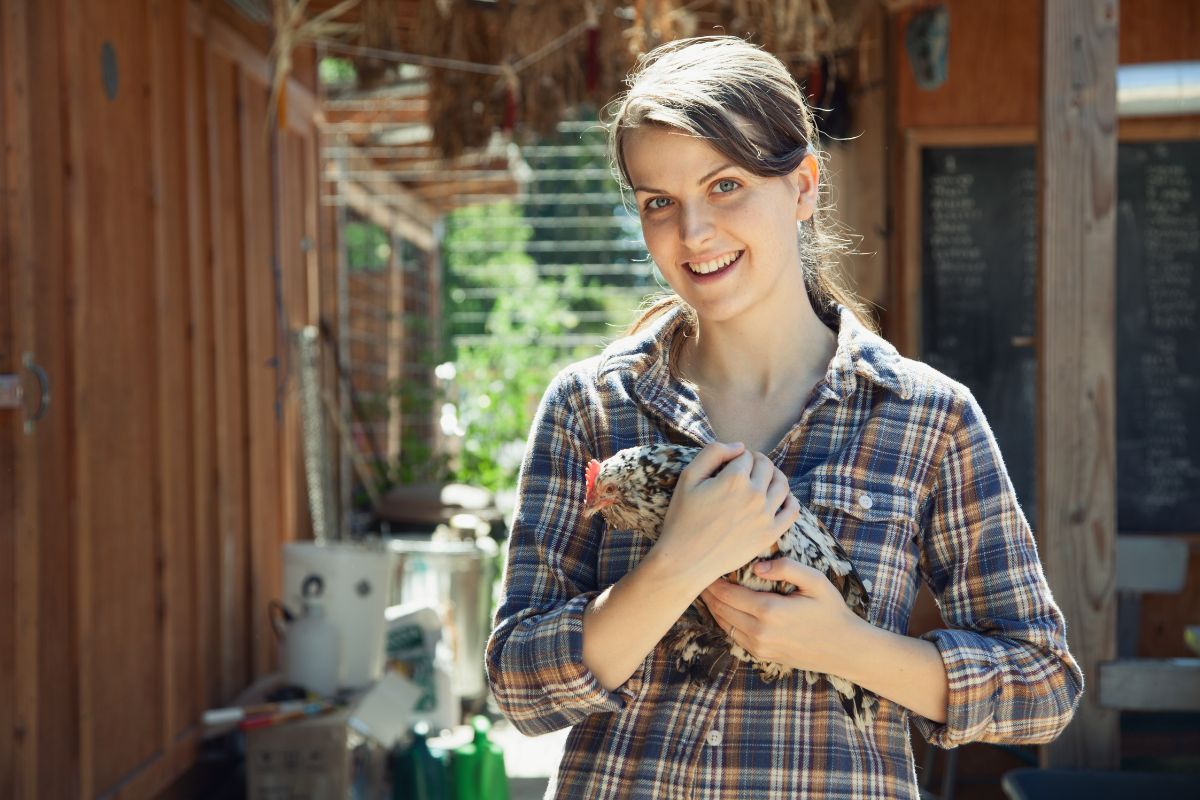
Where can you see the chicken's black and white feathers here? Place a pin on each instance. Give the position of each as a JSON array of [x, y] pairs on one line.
[[633, 490]]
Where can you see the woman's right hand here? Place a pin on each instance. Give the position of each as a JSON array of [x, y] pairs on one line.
[[729, 506]]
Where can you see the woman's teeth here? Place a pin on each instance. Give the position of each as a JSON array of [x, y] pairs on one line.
[[705, 267]]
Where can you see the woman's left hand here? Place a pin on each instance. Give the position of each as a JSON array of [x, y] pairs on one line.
[[807, 629]]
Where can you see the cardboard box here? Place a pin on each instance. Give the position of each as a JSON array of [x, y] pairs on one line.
[[319, 758]]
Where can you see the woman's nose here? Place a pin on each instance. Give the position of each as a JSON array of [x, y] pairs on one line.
[[695, 226]]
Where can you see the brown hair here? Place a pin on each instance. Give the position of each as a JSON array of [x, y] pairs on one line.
[[710, 87]]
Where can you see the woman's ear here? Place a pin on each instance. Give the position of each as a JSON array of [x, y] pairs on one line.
[[807, 180]]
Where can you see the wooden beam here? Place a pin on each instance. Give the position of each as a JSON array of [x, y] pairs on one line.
[[400, 197], [1076, 429], [384, 214], [1150, 684]]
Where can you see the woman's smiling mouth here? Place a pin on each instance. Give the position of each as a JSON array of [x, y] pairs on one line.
[[715, 267]]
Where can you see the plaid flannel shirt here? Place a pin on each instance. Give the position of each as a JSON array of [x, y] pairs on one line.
[[899, 462]]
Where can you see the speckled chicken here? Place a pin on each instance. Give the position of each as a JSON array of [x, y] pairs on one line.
[[632, 491]]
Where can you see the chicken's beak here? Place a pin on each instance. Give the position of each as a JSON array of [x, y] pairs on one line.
[[592, 505]]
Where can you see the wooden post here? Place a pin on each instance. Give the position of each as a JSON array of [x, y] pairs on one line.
[[1076, 431]]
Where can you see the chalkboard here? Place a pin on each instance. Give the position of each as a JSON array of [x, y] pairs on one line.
[[978, 252], [1158, 336], [977, 236]]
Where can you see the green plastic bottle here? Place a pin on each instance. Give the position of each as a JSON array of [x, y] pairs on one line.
[[478, 767], [418, 772]]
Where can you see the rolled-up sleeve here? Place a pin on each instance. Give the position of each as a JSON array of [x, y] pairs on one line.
[[535, 652], [1011, 678]]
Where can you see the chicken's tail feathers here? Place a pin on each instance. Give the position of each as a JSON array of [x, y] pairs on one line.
[[702, 653], [861, 708], [860, 704]]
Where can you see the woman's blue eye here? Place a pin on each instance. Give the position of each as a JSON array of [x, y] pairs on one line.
[[655, 203], [727, 185]]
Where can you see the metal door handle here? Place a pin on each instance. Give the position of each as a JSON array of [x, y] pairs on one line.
[[12, 393], [43, 394]]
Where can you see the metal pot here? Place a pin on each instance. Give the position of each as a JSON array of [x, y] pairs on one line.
[[456, 579]]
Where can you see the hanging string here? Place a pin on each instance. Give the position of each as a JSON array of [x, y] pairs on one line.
[[411, 58], [499, 70]]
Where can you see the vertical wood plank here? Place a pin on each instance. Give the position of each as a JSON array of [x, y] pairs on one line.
[[18, 506], [201, 282], [1076, 429], [262, 360], [111, 264], [48, 471], [397, 371], [75, 187], [229, 368], [290, 194], [177, 594], [203, 434], [433, 260]]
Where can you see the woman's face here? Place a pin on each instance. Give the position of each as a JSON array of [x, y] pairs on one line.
[[724, 238]]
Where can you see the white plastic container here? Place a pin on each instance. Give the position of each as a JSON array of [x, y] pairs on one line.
[[311, 651], [357, 587]]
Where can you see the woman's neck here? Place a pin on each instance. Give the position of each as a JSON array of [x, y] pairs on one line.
[[762, 354]]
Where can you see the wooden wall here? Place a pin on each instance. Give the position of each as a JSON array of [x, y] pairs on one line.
[[994, 81], [978, 94], [156, 260]]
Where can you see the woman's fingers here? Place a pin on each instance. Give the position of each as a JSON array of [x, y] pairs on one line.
[[727, 614], [778, 490], [712, 458], [761, 473], [788, 513]]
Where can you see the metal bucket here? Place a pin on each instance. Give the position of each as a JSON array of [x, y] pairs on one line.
[[455, 578]]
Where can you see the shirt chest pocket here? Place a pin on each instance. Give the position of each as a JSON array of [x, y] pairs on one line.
[[878, 526]]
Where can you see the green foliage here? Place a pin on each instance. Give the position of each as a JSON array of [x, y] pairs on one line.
[[520, 313], [367, 246], [336, 72], [502, 378], [501, 374]]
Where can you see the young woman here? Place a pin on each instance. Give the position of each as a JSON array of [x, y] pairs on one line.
[[760, 346]]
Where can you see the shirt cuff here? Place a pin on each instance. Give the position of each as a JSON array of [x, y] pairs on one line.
[[546, 685], [971, 669]]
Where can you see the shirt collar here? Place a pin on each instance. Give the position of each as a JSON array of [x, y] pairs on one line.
[[862, 353], [645, 356], [859, 354]]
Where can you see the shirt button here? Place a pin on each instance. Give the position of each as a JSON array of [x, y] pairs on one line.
[[714, 737], [866, 501]]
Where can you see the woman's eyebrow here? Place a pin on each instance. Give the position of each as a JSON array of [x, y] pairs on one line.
[[704, 179]]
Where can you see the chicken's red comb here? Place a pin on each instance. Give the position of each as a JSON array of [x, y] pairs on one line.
[[593, 472]]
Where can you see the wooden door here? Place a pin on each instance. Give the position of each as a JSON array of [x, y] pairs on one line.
[[39, 751], [143, 268]]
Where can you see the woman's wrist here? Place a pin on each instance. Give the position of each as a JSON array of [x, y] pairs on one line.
[[904, 669], [856, 645], [686, 574]]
